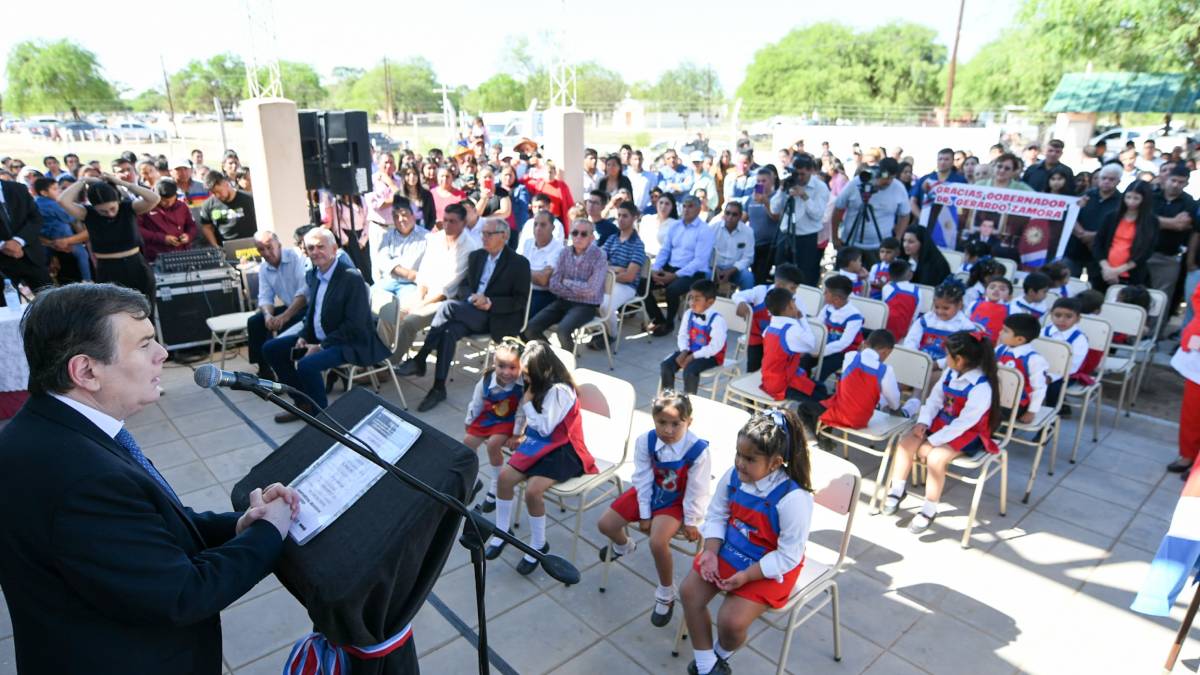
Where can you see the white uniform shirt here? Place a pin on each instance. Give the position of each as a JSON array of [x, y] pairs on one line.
[[555, 406], [716, 336], [979, 403], [955, 324], [475, 407], [1037, 373], [799, 337], [1079, 344], [795, 519], [758, 295], [699, 476], [1023, 306], [850, 316]]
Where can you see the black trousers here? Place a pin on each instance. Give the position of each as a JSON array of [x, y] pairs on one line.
[[675, 292], [569, 316], [257, 335], [802, 251], [130, 272], [764, 257], [454, 320], [691, 372]]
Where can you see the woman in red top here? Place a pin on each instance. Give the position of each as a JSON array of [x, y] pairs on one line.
[[557, 190], [1126, 239], [169, 226]]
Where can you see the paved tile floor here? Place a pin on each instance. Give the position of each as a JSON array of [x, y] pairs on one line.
[[1044, 589]]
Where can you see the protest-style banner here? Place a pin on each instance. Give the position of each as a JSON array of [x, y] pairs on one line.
[[1029, 227]]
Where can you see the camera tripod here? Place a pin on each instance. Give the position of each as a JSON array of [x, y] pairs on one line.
[[858, 228]]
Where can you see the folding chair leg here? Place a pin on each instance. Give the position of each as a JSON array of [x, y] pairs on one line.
[[680, 636], [607, 348], [1083, 410], [780, 667], [966, 538], [1004, 482], [578, 529], [880, 480], [399, 391], [837, 622], [1096, 420], [1037, 459]]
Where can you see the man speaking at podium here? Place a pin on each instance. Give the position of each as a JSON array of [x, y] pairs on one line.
[[103, 568]]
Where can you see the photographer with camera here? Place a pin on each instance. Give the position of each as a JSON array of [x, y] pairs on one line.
[[806, 197], [873, 206]]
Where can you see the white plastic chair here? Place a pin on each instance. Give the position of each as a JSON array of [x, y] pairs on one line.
[[835, 483], [985, 464], [1129, 320], [924, 299], [874, 312], [635, 306], [1010, 267], [1099, 335], [226, 329], [1142, 351], [716, 423], [809, 299], [1046, 421], [746, 392], [598, 325], [372, 371], [606, 405], [1077, 286], [953, 257]]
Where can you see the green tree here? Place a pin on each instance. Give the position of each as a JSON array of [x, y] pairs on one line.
[[57, 77], [829, 64], [499, 92], [599, 88], [1137, 35], [688, 88], [222, 77], [301, 84], [986, 82], [412, 84], [149, 100]]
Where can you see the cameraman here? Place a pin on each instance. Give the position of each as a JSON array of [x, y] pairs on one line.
[[803, 208], [888, 200]]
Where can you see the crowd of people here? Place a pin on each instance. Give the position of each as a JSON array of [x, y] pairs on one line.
[[489, 242]]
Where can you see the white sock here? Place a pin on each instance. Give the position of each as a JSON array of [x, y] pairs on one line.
[[721, 652], [624, 549], [929, 508], [494, 473], [537, 533], [911, 407], [664, 593], [503, 518], [706, 660], [897, 488]]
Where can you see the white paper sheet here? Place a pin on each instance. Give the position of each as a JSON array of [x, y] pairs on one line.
[[339, 477]]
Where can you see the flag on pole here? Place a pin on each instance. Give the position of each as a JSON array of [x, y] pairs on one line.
[[945, 231], [1177, 555]]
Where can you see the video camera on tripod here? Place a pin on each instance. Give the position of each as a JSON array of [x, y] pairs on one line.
[[868, 184]]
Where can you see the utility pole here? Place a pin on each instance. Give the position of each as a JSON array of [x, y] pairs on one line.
[[170, 100], [953, 64], [387, 86]]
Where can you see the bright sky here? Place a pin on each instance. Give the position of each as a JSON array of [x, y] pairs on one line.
[[462, 39]]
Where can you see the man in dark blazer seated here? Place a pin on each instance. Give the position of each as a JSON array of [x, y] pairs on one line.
[[103, 568], [22, 257], [338, 328], [491, 299]]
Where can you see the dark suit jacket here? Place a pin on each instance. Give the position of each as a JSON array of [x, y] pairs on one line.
[[102, 570], [345, 316], [508, 289], [26, 220]]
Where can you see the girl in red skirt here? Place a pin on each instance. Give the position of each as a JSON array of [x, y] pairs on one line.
[[671, 486], [754, 537], [492, 413], [958, 417]]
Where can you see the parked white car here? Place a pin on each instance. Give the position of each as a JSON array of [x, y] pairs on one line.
[[136, 131]]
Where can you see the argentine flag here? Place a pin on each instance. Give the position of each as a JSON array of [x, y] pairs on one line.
[[1177, 555], [945, 231]]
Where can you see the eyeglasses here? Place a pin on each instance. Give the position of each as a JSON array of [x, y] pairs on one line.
[[488, 233], [580, 233]]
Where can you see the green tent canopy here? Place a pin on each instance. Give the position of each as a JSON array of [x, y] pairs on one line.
[[1125, 93]]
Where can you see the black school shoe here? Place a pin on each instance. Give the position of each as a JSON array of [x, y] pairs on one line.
[[1179, 466], [660, 620], [722, 668], [525, 568], [488, 504], [491, 552]]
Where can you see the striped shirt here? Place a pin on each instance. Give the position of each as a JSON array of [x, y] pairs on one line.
[[622, 253]]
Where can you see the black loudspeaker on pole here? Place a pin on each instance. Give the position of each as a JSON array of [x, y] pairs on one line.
[[336, 150]]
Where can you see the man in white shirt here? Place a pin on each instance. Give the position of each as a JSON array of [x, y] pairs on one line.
[[280, 279], [539, 203], [734, 243], [542, 253], [801, 222], [442, 270]]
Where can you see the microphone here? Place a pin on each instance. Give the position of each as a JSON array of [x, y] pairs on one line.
[[211, 377]]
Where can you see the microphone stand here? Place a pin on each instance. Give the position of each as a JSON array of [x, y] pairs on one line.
[[474, 535]]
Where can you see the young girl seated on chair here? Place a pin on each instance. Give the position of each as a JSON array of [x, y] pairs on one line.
[[980, 272], [671, 486], [551, 449], [493, 411], [958, 418], [754, 537], [928, 333]]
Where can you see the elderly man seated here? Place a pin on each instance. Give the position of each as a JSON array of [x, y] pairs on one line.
[[542, 253], [397, 255], [491, 300], [578, 287], [442, 269], [338, 328], [683, 259], [280, 279]]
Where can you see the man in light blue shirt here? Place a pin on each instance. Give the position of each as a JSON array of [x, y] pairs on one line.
[[398, 255], [674, 177], [685, 257], [281, 296]]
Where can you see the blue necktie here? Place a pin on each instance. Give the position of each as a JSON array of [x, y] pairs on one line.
[[126, 440]]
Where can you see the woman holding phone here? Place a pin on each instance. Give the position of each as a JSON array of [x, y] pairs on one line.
[[491, 200]]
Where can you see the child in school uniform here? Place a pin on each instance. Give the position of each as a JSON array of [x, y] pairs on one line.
[[1090, 301], [1186, 361], [1014, 349], [928, 333], [976, 285], [701, 339], [849, 263], [492, 413], [973, 253], [990, 311], [958, 418], [754, 533], [867, 383], [550, 449], [787, 348], [843, 325], [671, 487], [879, 275], [1133, 295], [1064, 325], [1036, 300], [1060, 276], [752, 305], [901, 297]]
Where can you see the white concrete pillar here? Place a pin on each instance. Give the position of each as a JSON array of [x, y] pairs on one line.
[[1075, 130], [272, 131], [563, 140]]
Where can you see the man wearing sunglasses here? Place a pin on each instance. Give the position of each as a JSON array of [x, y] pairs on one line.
[[490, 300], [577, 283]]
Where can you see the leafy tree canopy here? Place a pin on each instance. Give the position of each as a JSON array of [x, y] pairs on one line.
[[57, 77]]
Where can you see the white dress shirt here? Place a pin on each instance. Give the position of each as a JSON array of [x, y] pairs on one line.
[[1074, 337], [489, 268], [795, 519], [555, 406], [955, 324], [979, 403], [699, 477], [107, 423], [444, 264], [716, 336], [758, 295], [284, 282], [1037, 372], [799, 336], [734, 249], [540, 257], [808, 214], [688, 247]]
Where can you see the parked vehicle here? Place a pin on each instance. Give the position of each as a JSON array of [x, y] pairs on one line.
[[136, 131]]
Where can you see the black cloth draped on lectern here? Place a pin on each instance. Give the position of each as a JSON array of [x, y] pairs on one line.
[[364, 577]]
